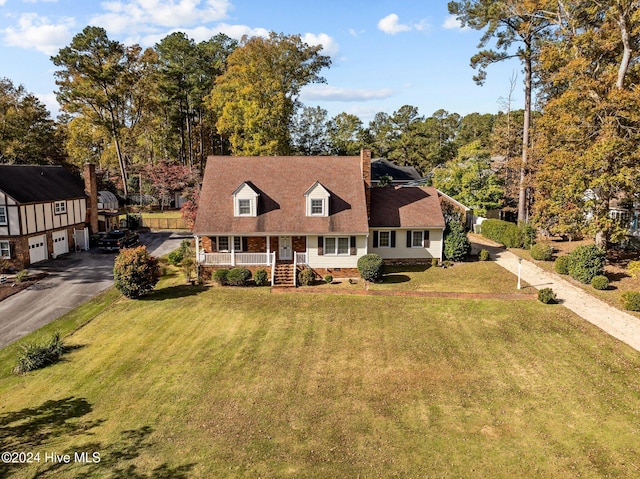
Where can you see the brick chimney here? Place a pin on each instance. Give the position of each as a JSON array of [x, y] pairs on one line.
[[365, 163], [91, 189]]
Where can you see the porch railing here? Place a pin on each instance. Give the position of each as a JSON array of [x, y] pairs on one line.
[[235, 259], [301, 258]]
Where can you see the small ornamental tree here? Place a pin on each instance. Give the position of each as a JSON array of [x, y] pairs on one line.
[[586, 262], [135, 272], [371, 267]]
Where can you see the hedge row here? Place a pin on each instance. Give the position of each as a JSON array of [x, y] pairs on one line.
[[509, 234]]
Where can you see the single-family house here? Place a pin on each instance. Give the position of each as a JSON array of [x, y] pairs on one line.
[[43, 213], [280, 213]]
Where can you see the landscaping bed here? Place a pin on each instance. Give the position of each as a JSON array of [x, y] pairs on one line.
[[11, 287]]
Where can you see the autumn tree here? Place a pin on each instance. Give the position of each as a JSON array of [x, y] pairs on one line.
[[346, 134], [309, 132], [256, 98], [97, 79], [517, 26], [27, 132], [591, 123]]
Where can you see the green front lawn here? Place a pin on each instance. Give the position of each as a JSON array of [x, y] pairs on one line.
[[231, 382]]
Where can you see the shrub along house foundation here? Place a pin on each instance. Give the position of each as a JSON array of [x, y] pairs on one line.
[[284, 213]]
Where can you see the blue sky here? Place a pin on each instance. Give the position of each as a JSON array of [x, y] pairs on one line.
[[385, 54]]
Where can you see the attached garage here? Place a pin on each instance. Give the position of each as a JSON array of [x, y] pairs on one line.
[[37, 249], [60, 242]]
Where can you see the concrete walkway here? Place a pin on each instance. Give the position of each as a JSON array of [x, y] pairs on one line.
[[613, 321]]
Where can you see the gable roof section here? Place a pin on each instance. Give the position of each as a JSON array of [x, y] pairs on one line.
[[405, 207], [282, 182], [34, 183], [381, 167]]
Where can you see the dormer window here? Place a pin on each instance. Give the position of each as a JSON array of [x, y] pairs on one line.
[[317, 207], [245, 200], [317, 198]]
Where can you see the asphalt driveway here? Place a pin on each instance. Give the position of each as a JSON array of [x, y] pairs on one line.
[[72, 279]]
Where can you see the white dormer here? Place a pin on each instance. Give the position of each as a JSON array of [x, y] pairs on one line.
[[317, 199], [245, 200]]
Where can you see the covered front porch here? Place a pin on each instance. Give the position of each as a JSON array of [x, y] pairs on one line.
[[223, 250]]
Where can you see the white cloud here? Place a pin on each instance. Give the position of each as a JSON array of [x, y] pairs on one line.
[[2, 2], [332, 93], [452, 23], [391, 25], [329, 45], [33, 1], [200, 34], [35, 32], [146, 15]]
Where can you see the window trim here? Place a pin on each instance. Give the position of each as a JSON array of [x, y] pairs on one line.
[[380, 234], [311, 206], [8, 249], [3, 214], [235, 241], [336, 243], [60, 207], [240, 207], [424, 237]]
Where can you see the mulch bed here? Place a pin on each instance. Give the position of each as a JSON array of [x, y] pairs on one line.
[[10, 287]]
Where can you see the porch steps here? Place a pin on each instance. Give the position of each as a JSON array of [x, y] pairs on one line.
[[283, 276]]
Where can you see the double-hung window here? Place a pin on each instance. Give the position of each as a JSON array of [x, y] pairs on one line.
[[337, 246], [5, 252], [224, 243], [244, 207], [384, 239], [317, 206], [418, 239], [3, 215]]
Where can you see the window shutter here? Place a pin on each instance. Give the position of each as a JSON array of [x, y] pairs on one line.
[[409, 237], [245, 243], [353, 250], [393, 239], [425, 239], [320, 245], [376, 241], [214, 244]]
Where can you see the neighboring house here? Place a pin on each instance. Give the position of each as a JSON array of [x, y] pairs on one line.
[[108, 212], [43, 209], [281, 212], [396, 175]]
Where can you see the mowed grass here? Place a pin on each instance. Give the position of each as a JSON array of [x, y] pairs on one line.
[[227, 382]]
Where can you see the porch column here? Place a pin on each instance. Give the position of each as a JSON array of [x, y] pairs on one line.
[[268, 249], [197, 248], [233, 250]]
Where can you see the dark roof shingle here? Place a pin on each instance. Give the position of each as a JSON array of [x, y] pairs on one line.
[[34, 183]]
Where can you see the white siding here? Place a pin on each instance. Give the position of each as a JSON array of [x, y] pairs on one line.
[[402, 252], [335, 261], [318, 192]]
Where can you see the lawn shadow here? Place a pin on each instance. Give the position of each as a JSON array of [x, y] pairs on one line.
[[117, 458], [617, 276], [173, 292], [28, 428], [395, 278]]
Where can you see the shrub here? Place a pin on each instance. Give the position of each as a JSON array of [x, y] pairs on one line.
[[456, 244], [541, 252], [35, 356], [600, 282], [633, 268], [261, 278], [371, 267], [220, 276], [238, 276], [328, 279], [135, 272], [585, 262], [484, 255], [561, 265], [546, 295], [184, 251], [306, 277], [631, 300], [22, 275], [175, 257], [529, 234], [503, 232]]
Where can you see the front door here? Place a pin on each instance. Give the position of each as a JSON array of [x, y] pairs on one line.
[[285, 249]]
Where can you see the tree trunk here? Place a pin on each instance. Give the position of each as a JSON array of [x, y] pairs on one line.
[[522, 197], [626, 55]]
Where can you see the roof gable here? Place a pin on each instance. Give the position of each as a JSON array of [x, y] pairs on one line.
[[35, 183]]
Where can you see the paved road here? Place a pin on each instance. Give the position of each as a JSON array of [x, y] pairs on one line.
[[613, 321], [72, 279]]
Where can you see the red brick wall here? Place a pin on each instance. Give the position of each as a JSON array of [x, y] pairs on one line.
[[299, 244], [256, 244]]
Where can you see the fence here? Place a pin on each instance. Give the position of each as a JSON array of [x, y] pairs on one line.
[[164, 223]]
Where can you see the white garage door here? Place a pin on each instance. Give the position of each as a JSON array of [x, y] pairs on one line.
[[37, 249], [60, 242]]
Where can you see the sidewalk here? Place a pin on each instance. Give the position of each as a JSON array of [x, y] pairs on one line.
[[615, 322]]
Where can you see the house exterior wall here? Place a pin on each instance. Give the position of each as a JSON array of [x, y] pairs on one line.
[[19, 245], [401, 252], [12, 228], [245, 192], [330, 261], [41, 217]]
